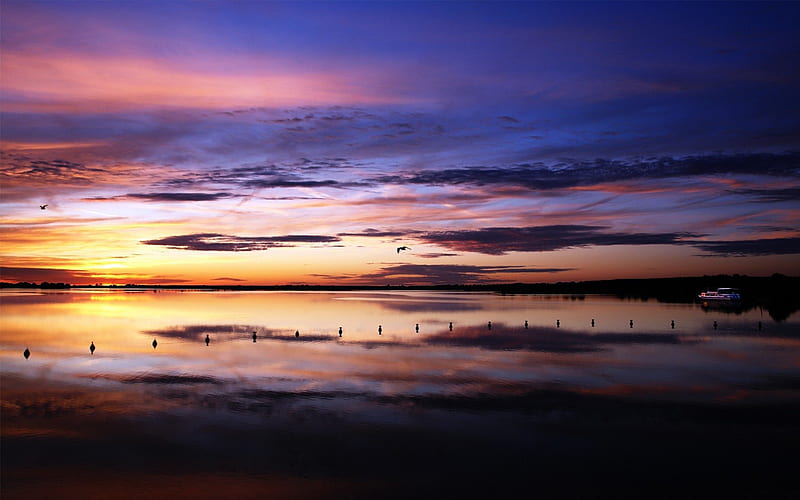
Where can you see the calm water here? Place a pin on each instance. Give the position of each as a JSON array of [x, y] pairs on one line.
[[558, 408]]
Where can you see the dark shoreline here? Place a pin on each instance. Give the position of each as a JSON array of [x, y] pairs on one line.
[[777, 293], [677, 286]]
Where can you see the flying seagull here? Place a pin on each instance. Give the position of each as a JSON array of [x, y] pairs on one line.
[[403, 248], [42, 206]]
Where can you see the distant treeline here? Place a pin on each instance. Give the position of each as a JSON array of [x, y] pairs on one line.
[[778, 293], [43, 284], [664, 289]]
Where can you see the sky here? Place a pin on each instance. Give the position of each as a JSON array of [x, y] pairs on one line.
[[247, 143]]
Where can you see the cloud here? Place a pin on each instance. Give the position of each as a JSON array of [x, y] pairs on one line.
[[226, 243], [295, 183], [765, 246], [374, 233], [775, 195], [573, 173], [267, 176], [59, 79], [326, 164], [25, 170], [167, 197], [34, 173], [39, 274], [168, 379], [501, 240], [450, 273]]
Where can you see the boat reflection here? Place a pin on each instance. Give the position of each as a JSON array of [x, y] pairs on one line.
[[724, 307]]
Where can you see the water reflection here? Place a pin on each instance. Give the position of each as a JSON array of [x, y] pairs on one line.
[[490, 389]]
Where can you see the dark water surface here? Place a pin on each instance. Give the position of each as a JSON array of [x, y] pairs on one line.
[[559, 409]]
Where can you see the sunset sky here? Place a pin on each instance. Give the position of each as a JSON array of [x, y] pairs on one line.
[[189, 142]]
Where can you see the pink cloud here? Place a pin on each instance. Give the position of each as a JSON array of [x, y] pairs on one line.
[[66, 81]]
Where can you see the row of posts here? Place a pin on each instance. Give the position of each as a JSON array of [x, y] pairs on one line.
[[27, 352]]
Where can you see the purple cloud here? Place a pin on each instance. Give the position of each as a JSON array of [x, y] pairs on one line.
[[572, 173], [501, 240], [374, 233], [167, 197], [776, 195], [450, 273], [227, 243], [36, 274], [763, 246]]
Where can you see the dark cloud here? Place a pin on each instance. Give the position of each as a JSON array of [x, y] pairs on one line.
[[374, 233], [269, 176], [326, 164], [39, 274], [765, 246], [500, 240], [771, 195], [19, 169], [168, 196], [290, 198], [450, 273], [436, 255], [295, 119], [180, 196], [168, 379], [571, 173], [228, 243], [294, 183]]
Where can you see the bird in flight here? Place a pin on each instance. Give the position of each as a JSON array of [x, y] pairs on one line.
[[403, 248], [42, 206]]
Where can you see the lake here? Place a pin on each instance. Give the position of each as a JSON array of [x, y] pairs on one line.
[[424, 394]]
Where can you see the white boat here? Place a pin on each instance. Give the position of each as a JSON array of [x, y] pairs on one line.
[[721, 295]]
